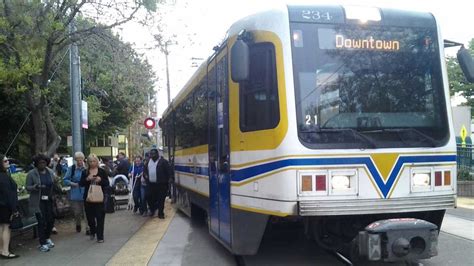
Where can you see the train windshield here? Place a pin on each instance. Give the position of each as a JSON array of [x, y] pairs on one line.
[[376, 87]]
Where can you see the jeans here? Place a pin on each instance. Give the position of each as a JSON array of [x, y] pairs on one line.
[[139, 199], [95, 214], [143, 206], [45, 220]]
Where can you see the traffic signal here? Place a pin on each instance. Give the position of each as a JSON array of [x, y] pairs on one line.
[[150, 123]]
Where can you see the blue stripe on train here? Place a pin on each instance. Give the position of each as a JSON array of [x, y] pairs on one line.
[[192, 170], [246, 173]]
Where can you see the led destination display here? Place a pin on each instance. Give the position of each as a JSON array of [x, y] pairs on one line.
[[369, 43]]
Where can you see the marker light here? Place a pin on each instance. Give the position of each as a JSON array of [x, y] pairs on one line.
[[421, 179], [307, 183], [363, 14], [447, 178], [340, 182], [320, 183], [438, 179]]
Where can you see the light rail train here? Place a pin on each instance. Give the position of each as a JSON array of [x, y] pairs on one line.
[[336, 117]]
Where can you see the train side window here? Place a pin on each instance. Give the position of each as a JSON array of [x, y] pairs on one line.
[[259, 105]]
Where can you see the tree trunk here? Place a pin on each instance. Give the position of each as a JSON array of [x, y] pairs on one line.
[[53, 136], [46, 139], [39, 128]]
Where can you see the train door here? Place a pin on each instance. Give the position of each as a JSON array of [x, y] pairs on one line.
[[219, 163]]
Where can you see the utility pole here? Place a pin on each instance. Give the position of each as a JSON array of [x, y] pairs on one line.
[[75, 83]]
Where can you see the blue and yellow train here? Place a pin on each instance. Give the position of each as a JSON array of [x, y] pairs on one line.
[[338, 117]]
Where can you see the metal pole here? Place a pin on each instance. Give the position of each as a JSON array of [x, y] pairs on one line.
[[167, 74], [75, 81]]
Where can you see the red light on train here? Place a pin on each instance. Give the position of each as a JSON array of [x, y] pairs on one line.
[[320, 183]]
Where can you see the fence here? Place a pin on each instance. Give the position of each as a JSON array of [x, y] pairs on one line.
[[464, 159]]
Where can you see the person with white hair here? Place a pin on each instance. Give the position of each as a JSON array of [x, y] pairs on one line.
[[76, 195]]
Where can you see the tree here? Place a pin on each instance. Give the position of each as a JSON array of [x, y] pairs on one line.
[[457, 81], [33, 35]]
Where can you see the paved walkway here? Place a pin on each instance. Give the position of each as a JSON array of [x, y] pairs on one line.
[[136, 240], [76, 248]]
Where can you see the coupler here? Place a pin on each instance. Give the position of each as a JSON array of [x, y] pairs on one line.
[[402, 239]]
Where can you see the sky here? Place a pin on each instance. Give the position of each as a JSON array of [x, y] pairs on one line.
[[195, 27]]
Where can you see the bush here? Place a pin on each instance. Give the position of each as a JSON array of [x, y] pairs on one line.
[[20, 180], [463, 175]]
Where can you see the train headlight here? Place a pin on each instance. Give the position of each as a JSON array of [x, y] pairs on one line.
[[421, 180], [340, 182]]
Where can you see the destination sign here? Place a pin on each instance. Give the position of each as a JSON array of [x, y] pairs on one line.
[[370, 43]]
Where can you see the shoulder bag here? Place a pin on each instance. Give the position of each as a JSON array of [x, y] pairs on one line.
[[95, 194]]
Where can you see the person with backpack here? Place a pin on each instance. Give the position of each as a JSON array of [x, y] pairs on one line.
[[76, 195]]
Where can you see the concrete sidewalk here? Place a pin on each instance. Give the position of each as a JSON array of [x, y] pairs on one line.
[[76, 248]]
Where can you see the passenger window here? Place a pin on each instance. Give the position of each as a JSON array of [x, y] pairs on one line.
[[259, 106]]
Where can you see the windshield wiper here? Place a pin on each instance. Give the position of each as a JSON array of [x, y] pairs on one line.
[[424, 136], [356, 133]]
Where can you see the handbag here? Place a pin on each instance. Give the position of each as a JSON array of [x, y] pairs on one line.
[[15, 221], [95, 194]]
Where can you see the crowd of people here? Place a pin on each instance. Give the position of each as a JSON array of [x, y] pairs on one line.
[[88, 179]]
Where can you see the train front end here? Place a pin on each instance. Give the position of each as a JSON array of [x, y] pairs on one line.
[[372, 110]]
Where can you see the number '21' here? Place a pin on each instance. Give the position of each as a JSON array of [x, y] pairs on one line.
[[309, 120]]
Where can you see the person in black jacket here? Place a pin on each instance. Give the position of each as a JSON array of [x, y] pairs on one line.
[[8, 205], [156, 173], [95, 212]]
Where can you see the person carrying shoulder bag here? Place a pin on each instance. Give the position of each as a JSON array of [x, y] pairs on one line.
[[96, 181]]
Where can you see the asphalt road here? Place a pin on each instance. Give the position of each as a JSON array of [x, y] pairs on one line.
[[189, 243]]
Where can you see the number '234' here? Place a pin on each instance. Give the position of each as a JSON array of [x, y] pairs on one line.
[[315, 15]]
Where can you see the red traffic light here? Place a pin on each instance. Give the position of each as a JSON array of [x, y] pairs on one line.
[[150, 123]]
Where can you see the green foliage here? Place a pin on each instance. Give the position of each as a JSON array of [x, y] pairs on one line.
[[34, 37], [463, 175], [20, 179], [457, 80]]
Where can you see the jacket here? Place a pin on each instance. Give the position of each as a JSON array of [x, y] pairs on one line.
[[104, 181], [163, 171], [137, 170], [33, 179], [76, 193], [8, 191]]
